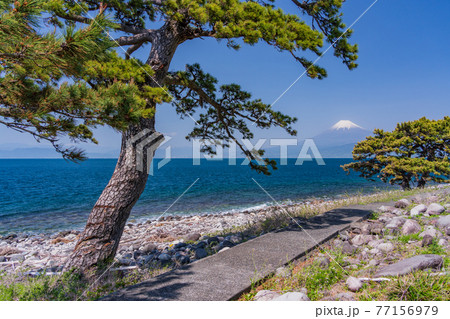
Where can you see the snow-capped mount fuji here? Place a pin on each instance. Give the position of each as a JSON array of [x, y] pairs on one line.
[[345, 125], [339, 140]]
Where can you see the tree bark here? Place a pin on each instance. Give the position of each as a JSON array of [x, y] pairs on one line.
[[406, 184], [100, 239]]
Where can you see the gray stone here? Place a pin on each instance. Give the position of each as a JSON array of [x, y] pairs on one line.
[[148, 248], [200, 253], [386, 209], [323, 262], [164, 257], [179, 245], [266, 295], [373, 262], [395, 223], [402, 203], [360, 240], [429, 230], [2, 259], [201, 244], [427, 240], [412, 264], [386, 247], [292, 296], [419, 209], [348, 249], [353, 284], [226, 243], [282, 272], [435, 209], [411, 227], [212, 240], [17, 257], [192, 237], [443, 221], [386, 217], [376, 230], [184, 260], [443, 242], [447, 231], [235, 239], [374, 243]]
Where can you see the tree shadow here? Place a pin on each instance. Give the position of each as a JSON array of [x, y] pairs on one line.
[[164, 287], [336, 217]]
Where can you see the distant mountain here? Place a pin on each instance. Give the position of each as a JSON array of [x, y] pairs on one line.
[[339, 140], [46, 152]]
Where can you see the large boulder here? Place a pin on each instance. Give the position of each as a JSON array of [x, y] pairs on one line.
[[292, 296], [419, 209], [411, 227], [412, 264], [386, 247], [427, 240], [395, 223], [192, 237], [360, 240], [282, 272], [386, 209], [429, 231], [402, 203], [348, 249], [443, 221], [266, 295], [435, 209], [200, 253]]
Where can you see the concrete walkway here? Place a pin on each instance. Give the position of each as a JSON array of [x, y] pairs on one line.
[[226, 275]]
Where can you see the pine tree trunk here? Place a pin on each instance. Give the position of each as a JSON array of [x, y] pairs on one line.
[[100, 239]]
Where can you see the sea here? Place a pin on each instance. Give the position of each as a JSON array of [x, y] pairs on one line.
[[51, 195]]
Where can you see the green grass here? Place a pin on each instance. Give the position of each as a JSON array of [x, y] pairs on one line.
[[420, 286], [315, 279], [67, 286], [407, 238], [434, 248]]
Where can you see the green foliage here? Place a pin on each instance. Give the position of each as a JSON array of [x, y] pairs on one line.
[[227, 109], [102, 88], [414, 153], [407, 238], [434, 248], [54, 85], [65, 287], [222, 112]]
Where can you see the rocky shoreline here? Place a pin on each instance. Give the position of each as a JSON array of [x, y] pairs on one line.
[[168, 242], [410, 236]]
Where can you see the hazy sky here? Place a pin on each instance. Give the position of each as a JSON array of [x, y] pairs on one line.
[[402, 74]]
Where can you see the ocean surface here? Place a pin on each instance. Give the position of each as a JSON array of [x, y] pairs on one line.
[[50, 195]]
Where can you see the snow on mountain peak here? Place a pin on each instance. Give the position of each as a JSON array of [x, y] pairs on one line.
[[345, 125]]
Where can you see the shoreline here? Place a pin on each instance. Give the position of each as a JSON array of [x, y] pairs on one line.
[[244, 208], [165, 241]]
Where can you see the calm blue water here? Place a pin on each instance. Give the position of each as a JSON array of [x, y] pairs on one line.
[[48, 195]]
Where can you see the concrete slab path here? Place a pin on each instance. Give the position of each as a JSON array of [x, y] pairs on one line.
[[227, 274]]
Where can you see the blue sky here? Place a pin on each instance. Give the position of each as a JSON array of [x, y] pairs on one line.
[[402, 75]]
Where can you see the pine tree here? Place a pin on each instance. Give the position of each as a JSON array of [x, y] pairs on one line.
[[415, 153], [127, 102]]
